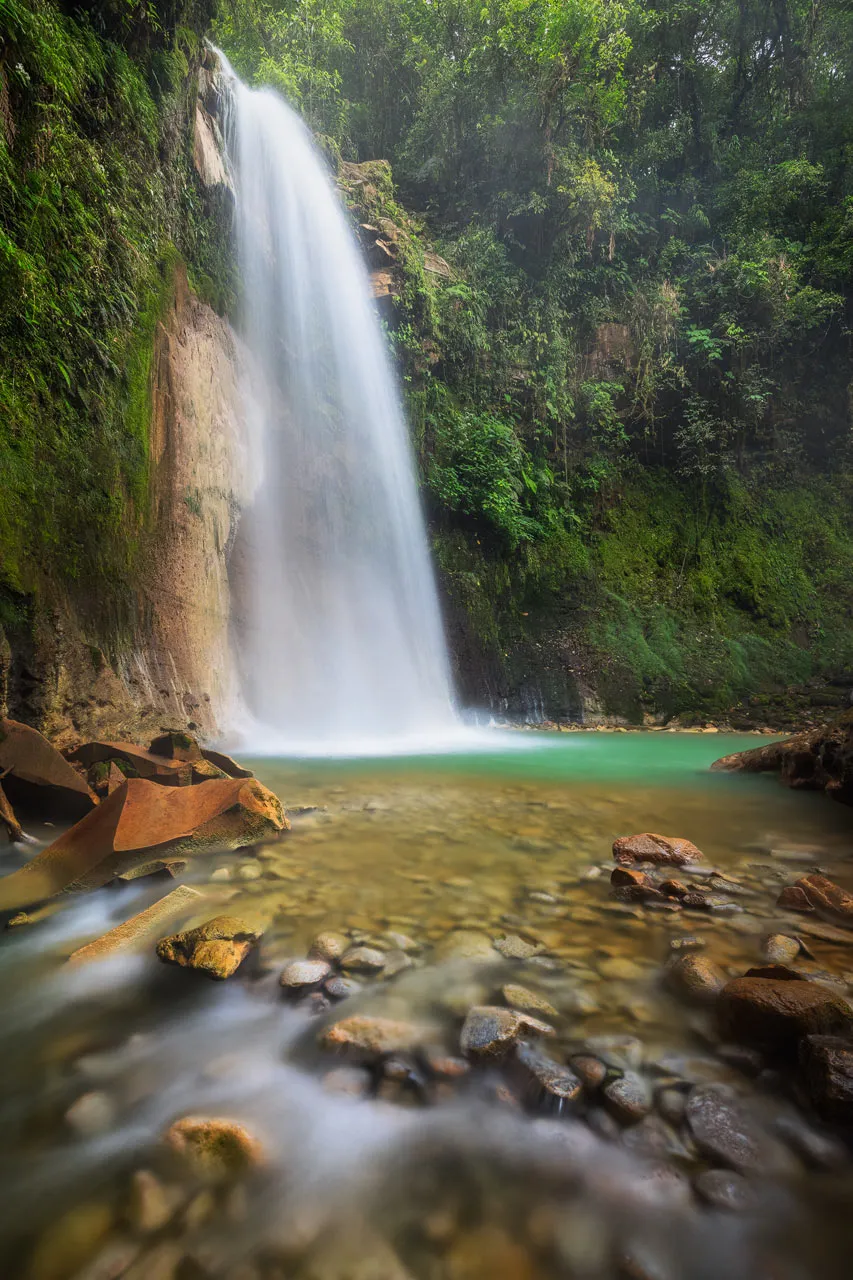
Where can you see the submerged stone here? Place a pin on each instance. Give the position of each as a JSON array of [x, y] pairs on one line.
[[214, 1149], [373, 1037]]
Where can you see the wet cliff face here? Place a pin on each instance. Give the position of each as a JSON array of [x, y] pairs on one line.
[[71, 661]]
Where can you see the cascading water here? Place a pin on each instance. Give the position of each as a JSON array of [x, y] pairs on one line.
[[339, 638]]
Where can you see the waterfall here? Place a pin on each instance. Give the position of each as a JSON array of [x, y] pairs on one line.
[[339, 642]]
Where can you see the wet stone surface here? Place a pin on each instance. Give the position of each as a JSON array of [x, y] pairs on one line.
[[523, 1076]]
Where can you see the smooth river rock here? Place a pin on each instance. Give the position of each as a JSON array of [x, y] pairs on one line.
[[694, 978], [372, 1037], [724, 1128], [773, 1014], [301, 975]]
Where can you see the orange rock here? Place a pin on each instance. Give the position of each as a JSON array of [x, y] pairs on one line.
[[628, 876], [226, 764], [649, 847], [141, 819], [36, 775], [371, 1037], [174, 744], [214, 1149]]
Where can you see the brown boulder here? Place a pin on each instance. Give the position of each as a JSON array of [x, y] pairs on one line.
[[815, 760], [773, 1014], [142, 822], [817, 893], [35, 775], [826, 1063], [649, 847], [629, 877], [216, 948]]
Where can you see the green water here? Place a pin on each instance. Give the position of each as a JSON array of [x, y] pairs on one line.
[[468, 1178]]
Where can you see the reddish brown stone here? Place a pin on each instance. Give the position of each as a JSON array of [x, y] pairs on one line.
[[36, 775], [773, 1014], [673, 889], [649, 847], [825, 897], [139, 819], [792, 898], [629, 876]]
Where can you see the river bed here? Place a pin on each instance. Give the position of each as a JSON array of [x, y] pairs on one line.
[[415, 1167]]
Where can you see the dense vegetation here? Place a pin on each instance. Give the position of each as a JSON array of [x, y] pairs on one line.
[[634, 411], [631, 396], [97, 199]]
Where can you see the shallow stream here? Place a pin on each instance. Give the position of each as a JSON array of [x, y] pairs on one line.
[[411, 1168]]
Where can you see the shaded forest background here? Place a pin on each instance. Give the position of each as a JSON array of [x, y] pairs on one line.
[[631, 392]]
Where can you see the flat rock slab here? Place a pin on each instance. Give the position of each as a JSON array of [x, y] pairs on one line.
[[140, 928], [774, 1013], [651, 847], [725, 1130], [35, 773], [141, 822], [216, 948]]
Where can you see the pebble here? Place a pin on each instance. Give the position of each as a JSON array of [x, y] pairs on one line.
[[363, 960], [690, 942], [544, 1077], [512, 947], [620, 1052], [465, 944], [722, 1189], [340, 988], [694, 977], [527, 1001], [780, 949], [328, 946], [672, 1105], [302, 974], [249, 871], [91, 1114], [151, 1204], [592, 1071], [628, 1099]]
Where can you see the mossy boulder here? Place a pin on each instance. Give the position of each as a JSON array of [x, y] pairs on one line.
[[214, 1149], [216, 948]]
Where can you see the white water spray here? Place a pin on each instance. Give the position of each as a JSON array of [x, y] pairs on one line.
[[339, 639]]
